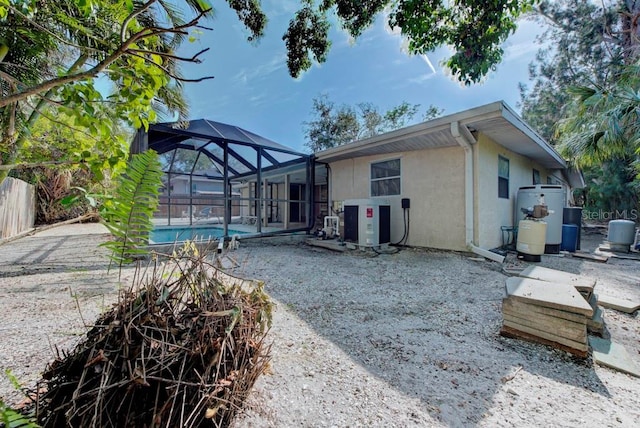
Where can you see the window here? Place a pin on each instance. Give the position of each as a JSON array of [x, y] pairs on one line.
[[503, 177], [553, 180], [536, 177], [385, 178]]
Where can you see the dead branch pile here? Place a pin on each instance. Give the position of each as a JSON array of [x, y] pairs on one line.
[[182, 349]]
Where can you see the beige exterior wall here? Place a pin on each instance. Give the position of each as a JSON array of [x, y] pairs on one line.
[[492, 211], [432, 179]]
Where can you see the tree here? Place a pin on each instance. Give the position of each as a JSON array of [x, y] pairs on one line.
[[474, 29], [588, 44], [59, 159], [334, 126], [51, 53], [579, 35], [604, 123]]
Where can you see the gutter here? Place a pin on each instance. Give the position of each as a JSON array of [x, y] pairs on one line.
[[467, 141]]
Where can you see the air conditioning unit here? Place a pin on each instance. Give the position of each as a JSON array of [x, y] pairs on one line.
[[367, 222]]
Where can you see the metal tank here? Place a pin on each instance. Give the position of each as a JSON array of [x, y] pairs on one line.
[[554, 197], [621, 234]]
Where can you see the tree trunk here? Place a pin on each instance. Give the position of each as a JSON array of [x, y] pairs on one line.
[[631, 31]]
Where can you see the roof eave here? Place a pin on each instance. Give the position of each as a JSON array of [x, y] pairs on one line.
[[436, 124], [550, 158], [516, 121]]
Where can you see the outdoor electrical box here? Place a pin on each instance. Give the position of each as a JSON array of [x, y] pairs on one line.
[[406, 203], [367, 222]]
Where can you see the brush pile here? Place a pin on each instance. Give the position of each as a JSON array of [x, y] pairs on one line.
[[181, 348]]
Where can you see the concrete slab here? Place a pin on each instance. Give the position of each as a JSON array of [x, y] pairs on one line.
[[328, 244], [580, 345], [595, 324], [548, 294], [72, 230], [556, 326], [621, 305], [592, 257], [613, 355], [532, 310], [581, 283], [518, 334]]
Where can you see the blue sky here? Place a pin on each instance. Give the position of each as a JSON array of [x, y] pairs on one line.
[[252, 88]]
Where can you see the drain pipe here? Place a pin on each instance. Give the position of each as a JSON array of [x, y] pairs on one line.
[[467, 141]]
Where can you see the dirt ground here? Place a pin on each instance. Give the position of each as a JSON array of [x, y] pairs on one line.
[[407, 339]]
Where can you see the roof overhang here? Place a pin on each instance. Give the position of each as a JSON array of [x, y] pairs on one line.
[[496, 120]]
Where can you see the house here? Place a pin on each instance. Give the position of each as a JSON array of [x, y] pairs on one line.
[[207, 183], [460, 172]]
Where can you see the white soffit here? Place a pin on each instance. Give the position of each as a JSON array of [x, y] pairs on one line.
[[496, 120]]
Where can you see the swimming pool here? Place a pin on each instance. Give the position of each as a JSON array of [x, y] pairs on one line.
[[169, 235]]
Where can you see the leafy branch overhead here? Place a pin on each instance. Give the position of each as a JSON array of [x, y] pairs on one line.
[[140, 42], [474, 30]]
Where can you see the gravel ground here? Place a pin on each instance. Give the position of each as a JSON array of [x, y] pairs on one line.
[[408, 339]]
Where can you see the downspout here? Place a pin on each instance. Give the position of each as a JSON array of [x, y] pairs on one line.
[[467, 141]]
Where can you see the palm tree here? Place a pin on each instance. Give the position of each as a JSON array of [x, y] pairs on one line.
[[602, 133], [604, 122], [68, 43]]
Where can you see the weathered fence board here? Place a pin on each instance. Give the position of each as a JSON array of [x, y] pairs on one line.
[[17, 207]]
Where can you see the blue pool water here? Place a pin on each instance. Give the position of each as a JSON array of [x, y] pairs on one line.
[[169, 235]]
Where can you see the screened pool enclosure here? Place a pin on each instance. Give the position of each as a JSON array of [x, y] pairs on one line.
[[222, 176]]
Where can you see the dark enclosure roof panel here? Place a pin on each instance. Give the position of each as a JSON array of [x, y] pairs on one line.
[[211, 130], [206, 138]]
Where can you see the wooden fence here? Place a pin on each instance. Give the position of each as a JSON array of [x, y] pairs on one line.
[[17, 207]]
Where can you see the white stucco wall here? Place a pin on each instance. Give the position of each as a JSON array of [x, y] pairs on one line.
[[492, 211], [432, 179]]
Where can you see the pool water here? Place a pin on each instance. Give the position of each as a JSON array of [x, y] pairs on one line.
[[169, 235]]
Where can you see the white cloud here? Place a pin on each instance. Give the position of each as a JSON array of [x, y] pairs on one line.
[[258, 99], [261, 71], [277, 8], [516, 51], [422, 78], [523, 44]]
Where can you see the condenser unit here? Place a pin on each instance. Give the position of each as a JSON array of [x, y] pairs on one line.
[[367, 222]]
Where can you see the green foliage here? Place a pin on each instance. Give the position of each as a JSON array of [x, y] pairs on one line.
[[577, 84], [306, 39], [474, 29], [604, 123], [334, 126], [579, 49], [128, 216], [8, 416], [52, 52], [12, 419], [611, 187], [56, 135], [81, 160]]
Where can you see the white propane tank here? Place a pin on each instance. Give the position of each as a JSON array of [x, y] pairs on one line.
[[555, 197], [622, 233], [531, 238]]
